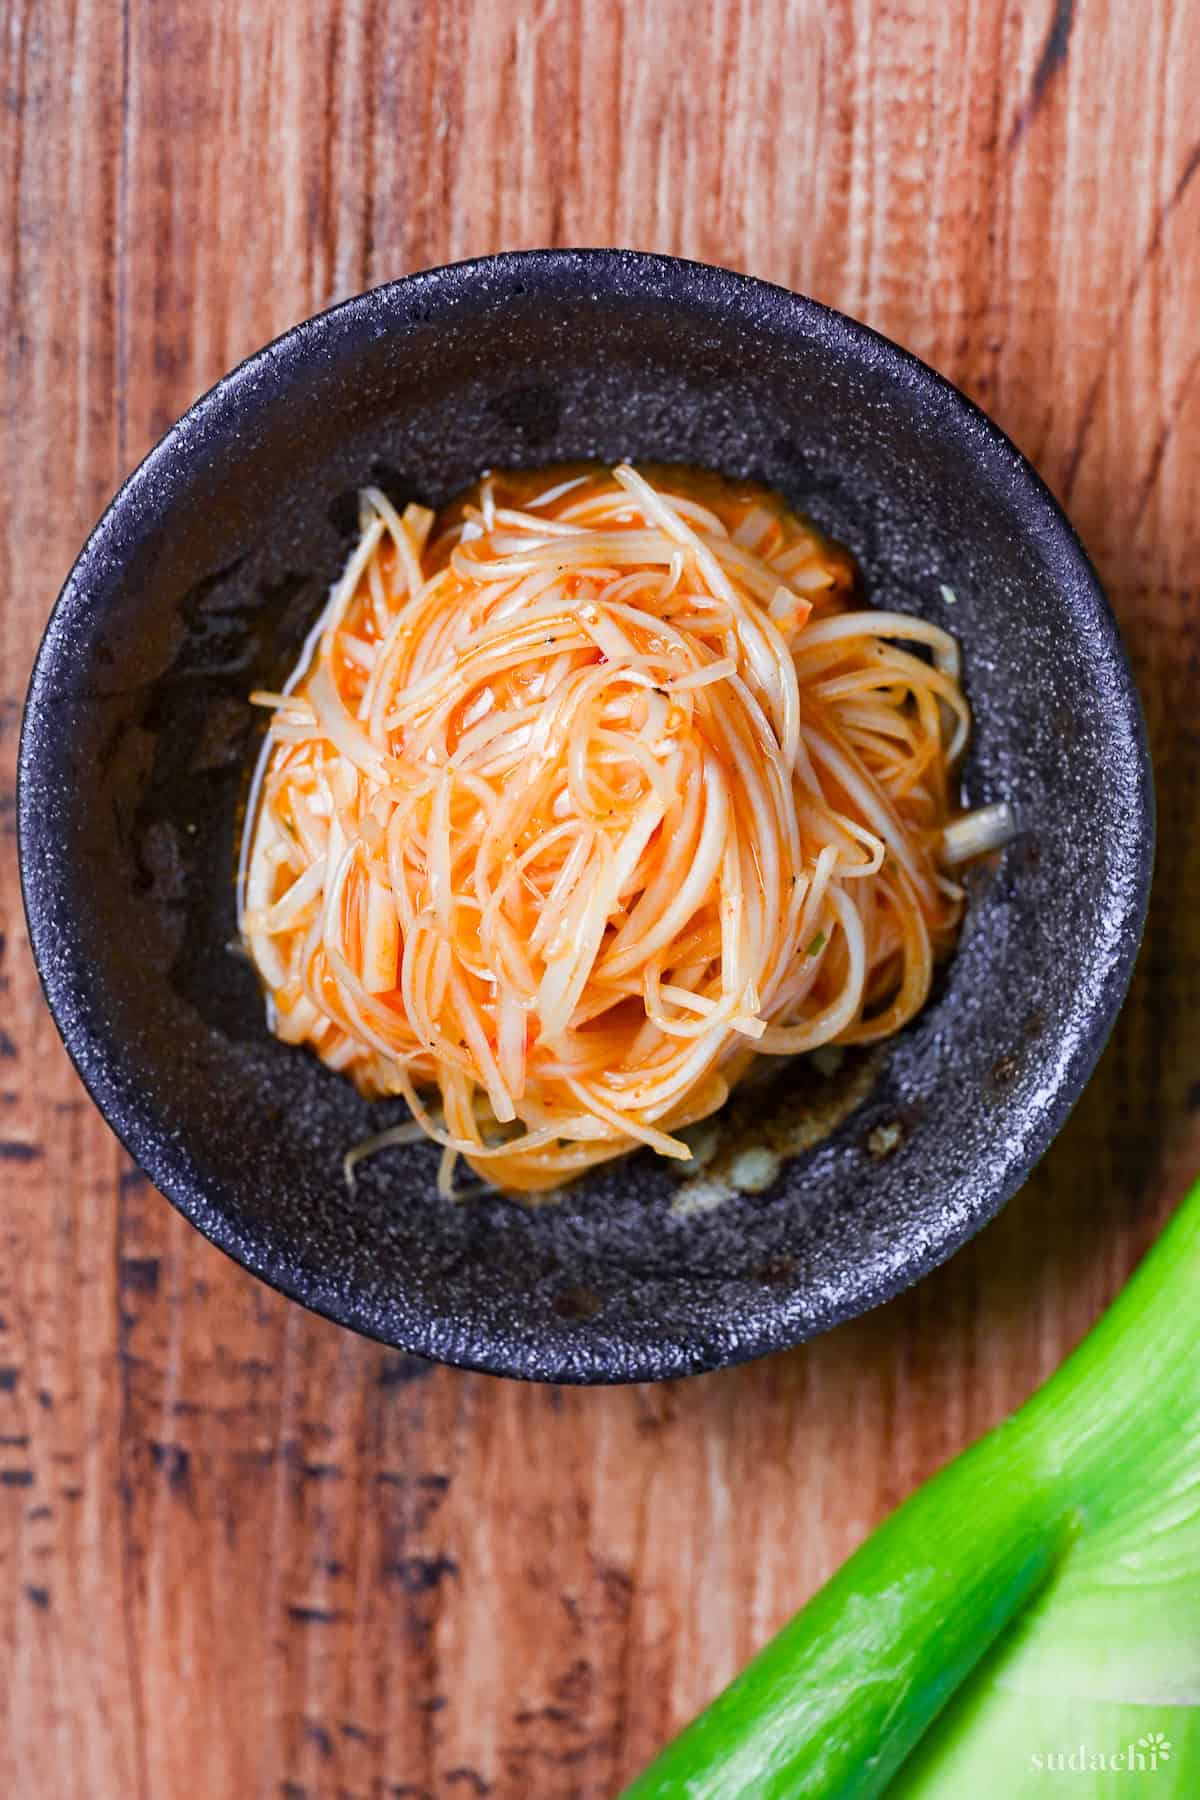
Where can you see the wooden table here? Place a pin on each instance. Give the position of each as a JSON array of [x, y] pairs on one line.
[[245, 1553]]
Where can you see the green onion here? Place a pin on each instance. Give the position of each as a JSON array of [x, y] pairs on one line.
[[817, 945], [1066, 1543]]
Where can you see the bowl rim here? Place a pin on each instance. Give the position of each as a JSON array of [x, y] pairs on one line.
[[671, 279]]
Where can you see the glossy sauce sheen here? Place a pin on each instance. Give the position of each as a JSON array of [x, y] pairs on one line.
[[573, 677]]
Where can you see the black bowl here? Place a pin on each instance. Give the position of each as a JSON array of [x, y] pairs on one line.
[[199, 583]]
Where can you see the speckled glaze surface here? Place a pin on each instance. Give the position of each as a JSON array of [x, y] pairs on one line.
[[200, 582]]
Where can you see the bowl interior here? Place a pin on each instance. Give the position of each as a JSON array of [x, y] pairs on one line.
[[201, 582]]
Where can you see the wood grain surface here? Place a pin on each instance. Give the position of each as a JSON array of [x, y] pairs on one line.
[[243, 1553]]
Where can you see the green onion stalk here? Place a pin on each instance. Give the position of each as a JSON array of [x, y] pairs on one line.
[[1028, 1622]]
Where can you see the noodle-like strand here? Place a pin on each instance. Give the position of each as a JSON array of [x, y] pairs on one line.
[[587, 790]]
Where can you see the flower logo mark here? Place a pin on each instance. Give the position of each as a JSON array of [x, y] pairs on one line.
[[1152, 1750]]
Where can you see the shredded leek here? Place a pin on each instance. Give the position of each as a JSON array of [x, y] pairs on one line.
[[976, 833], [563, 784]]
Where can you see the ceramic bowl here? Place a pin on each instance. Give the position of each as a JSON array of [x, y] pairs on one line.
[[200, 583]]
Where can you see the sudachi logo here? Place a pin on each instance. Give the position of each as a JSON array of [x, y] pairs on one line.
[[1150, 1752]]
